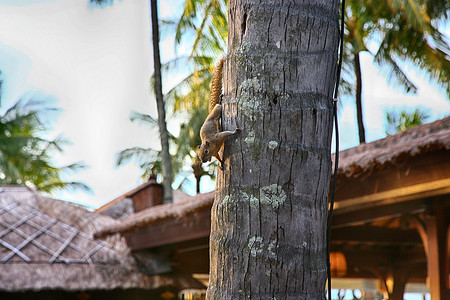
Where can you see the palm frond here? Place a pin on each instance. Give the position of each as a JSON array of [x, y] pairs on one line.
[[66, 185], [144, 119], [396, 76], [397, 122], [416, 15], [74, 167], [139, 154]]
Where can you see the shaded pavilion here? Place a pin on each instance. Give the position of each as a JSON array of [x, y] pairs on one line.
[[393, 209], [391, 220]]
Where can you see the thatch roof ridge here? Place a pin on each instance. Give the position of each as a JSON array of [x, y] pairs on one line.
[[386, 151], [127, 194], [70, 213], [122, 206], [160, 212], [74, 215]]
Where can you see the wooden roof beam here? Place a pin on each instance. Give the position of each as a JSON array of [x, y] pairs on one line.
[[400, 194], [370, 214], [376, 234], [170, 231]]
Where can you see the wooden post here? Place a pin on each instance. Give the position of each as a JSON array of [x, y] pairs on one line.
[[400, 277], [437, 260], [433, 230]]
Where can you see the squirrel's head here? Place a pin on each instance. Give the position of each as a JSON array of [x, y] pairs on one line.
[[204, 152]]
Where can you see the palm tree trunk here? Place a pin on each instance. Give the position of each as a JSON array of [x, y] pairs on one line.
[[166, 160], [198, 173], [197, 181], [359, 113], [268, 230]]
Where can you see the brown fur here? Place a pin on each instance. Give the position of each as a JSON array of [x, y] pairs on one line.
[[216, 85], [211, 132]]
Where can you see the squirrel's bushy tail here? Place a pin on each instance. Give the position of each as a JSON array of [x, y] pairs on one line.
[[216, 85]]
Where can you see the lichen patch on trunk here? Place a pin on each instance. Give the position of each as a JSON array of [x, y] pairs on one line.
[[273, 144], [272, 195], [255, 244]]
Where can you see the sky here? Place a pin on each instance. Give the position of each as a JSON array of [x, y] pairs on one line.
[[95, 64]]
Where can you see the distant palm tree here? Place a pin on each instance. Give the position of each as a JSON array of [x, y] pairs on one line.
[[25, 156], [397, 122], [163, 133], [165, 160], [407, 32]]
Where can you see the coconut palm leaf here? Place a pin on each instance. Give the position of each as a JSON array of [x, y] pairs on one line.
[[139, 154], [67, 185], [25, 156], [396, 76], [397, 122]]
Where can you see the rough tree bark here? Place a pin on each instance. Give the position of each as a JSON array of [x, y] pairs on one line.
[[164, 136], [268, 235]]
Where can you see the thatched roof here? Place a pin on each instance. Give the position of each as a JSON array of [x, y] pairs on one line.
[[40, 250], [180, 209], [122, 206], [70, 213], [395, 148]]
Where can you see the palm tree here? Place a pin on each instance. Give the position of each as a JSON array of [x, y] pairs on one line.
[[25, 156], [397, 122], [188, 99], [165, 155], [407, 32], [364, 21], [268, 220], [166, 164]]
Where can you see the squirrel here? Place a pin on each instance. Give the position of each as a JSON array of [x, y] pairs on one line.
[[211, 132]]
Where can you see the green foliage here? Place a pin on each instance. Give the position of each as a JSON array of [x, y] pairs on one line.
[[207, 21], [397, 122], [26, 157], [406, 30], [182, 148], [148, 159]]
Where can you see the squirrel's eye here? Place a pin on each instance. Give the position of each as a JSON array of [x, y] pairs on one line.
[[206, 151]]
